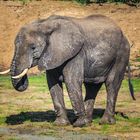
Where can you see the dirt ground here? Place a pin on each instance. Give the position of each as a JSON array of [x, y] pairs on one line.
[[14, 15], [30, 115]]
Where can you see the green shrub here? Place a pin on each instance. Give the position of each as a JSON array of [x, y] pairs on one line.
[[83, 1], [24, 2], [103, 1]]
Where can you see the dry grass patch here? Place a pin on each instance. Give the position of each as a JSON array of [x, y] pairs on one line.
[[32, 112]]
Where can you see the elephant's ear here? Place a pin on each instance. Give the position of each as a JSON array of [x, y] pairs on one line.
[[64, 43]]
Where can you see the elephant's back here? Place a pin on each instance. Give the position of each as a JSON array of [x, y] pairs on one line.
[[99, 29], [96, 24]]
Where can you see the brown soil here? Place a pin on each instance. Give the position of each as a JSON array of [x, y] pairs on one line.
[[14, 15]]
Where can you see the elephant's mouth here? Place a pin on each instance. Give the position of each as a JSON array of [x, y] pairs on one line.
[[20, 84], [35, 62], [19, 77]]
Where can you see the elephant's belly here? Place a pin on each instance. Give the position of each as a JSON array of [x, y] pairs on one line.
[[97, 72], [98, 63]]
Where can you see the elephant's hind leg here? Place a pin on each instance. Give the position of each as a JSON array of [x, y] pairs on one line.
[[56, 91], [91, 93], [113, 84]]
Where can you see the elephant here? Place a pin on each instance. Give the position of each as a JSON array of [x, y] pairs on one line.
[[92, 51]]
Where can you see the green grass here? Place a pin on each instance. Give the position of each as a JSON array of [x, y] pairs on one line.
[[30, 116], [125, 87], [39, 83], [137, 59], [2, 120], [13, 138], [5, 82], [122, 125], [38, 79], [131, 120], [105, 128]]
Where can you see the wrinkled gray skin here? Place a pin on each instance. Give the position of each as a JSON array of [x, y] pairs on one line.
[[91, 50]]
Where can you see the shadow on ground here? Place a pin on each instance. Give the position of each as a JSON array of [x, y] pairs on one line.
[[49, 116]]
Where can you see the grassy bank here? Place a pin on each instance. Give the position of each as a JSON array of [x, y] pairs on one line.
[[40, 83], [32, 110]]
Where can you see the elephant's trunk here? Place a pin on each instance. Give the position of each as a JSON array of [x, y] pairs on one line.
[[19, 84]]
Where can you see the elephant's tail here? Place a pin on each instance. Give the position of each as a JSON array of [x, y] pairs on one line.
[[131, 89]]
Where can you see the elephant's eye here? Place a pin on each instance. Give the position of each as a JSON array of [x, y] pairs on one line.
[[32, 46]]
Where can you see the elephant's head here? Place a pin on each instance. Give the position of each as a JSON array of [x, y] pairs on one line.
[[46, 43], [29, 45]]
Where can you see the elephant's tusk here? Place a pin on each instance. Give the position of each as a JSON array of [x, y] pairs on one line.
[[5, 72], [20, 75]]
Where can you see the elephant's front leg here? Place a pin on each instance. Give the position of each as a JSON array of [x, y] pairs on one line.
[[73, 83], [75, 94], [56, 91]]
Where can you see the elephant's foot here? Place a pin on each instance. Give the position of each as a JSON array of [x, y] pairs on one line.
[[61, 121], [81, 121], [106, 119], [89, 120]]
